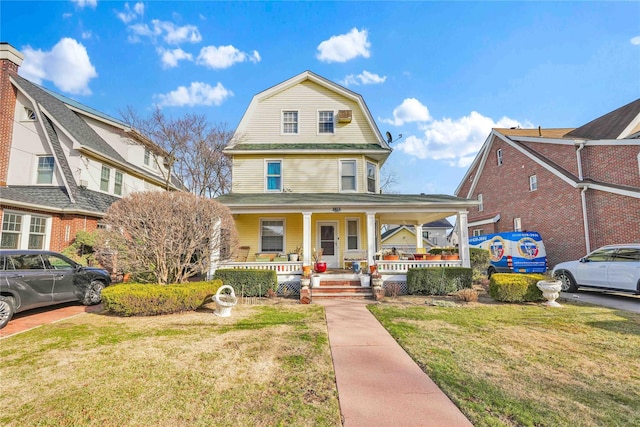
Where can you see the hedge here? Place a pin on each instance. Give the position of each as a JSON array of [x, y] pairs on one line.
[[438, 281], [515, 287], [250, 282], [135, 299], [439, 251]]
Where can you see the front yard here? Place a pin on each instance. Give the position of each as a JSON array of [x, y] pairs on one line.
[[502, 364]]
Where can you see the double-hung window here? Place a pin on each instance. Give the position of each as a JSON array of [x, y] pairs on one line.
[[272, 235], [14, 227], [371, 177], [11, 229], [533, 183], [347, 175], [274, 175], [499, 156], [117, 185], [105, 177], [45, 169], [325, 121], [37, 232], [290, 122], [481, 205], [352, 234]]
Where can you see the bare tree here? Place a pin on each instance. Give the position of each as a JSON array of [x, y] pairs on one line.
[[170, 236], [194, 147], [388, 180]]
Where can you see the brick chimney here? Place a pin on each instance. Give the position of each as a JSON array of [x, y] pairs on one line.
[[10, 60]]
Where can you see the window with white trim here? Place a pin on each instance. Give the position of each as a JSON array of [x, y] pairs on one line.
[[480, 206], [271, 235], [499, 156], [150, 159], [29, 115], [45, 170], [371, 177], [14, 234], [348, 175], [478, 232], [273, 175], [325, 121], [117, 184], [353, 234], [517, 224], [533, 183], [290, 122], [105, 177]]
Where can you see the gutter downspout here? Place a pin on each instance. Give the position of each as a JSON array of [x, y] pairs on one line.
[[583, 199]]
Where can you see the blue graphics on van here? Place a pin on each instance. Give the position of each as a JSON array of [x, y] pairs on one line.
[[517, 252]]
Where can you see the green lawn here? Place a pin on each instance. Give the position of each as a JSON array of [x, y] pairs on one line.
[[525, 365], [264, 366]]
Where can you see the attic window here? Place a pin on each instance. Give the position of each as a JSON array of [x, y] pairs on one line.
[[499, 156], [325, 121], [290, 122], [29, 114]]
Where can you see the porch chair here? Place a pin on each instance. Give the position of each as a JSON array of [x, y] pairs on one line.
[[242, 253]]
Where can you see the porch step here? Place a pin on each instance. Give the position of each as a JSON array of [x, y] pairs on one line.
[[340, 283], [338, 291]]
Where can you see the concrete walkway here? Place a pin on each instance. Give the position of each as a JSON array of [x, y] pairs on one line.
[[378, 383]]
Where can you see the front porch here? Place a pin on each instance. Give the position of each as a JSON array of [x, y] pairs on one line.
[[340, 283]]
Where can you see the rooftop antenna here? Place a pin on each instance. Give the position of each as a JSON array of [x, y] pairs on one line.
[[390, 138]]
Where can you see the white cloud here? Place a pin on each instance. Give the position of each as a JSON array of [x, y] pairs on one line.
[[635, 40], [365, 78], [224, 56], [86, 3], [197, 94], [454, 141], [171, 57], [170, 32], [344, 47], [411, 110], [67, 65], [129, 14]]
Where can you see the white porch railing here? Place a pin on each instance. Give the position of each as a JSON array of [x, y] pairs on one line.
[[402, 266], [281, 268]]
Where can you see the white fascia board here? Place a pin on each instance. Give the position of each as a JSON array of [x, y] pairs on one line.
[[480, 160], [609, 189], [98, 118], [484, 221], [632, 125], [543, 140]]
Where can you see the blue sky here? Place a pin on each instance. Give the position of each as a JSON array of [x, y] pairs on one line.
[[442, 74]]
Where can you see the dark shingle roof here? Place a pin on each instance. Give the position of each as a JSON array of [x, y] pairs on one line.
[[68, 119], [57, 198], [609, 126]]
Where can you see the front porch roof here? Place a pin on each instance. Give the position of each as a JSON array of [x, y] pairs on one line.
[[403, 209]]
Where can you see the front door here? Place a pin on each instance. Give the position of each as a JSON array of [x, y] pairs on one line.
[[328, 241]]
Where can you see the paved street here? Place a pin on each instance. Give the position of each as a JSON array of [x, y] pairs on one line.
[[620, 301]]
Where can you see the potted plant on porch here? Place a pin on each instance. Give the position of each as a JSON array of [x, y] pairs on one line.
[[318, 265], [296, 254]]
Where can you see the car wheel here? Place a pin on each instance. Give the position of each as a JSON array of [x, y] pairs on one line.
[[568, 284], [93, 295], [6, 310]]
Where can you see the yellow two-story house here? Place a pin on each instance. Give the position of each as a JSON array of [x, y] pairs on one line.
[[306, 162]]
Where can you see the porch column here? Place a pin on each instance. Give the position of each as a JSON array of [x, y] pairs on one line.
[[306, 238], [371, 237], [214, 257], [418, 236], [463, 238]]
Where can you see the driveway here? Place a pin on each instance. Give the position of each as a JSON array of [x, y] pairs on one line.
[[615, 300], [30, 319]]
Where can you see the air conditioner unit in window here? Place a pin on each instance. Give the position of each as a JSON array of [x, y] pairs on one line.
[[83, 183], [344, 116]]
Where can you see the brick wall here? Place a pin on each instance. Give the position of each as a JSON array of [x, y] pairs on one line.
[[8, 96], [555, 208]]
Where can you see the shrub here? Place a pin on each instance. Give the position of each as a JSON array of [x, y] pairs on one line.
[[480, 260], [249, 283], [439, 251], [513, 287], [438, 281], [466, 294], [135, 299]]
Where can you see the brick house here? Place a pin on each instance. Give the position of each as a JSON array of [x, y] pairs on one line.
[[62, 164], [580, 188]]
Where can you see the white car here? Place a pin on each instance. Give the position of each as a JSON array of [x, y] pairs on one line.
[[613, 267]]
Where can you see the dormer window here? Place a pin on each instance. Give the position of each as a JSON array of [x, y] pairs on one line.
[[150, 159], [325, 121], [290, 122], [45, 169]]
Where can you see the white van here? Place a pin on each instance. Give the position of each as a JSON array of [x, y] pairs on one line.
[[513, 252]]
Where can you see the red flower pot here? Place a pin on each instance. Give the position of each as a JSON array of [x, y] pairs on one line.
[[321, 267]]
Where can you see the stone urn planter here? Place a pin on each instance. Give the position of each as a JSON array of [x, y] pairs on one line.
[[551, 291], [224, 302], [365, 280]]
